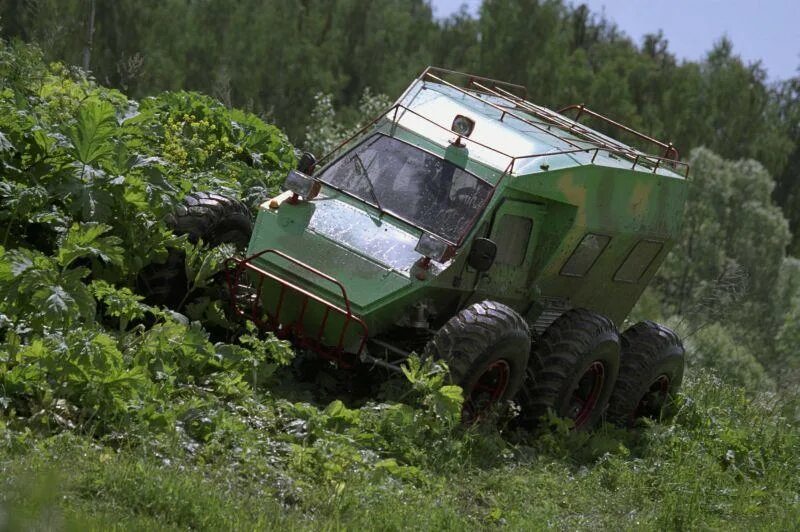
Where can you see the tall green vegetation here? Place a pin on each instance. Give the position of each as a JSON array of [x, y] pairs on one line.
[[88, 177]]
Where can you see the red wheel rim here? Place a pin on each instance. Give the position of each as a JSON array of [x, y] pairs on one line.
[[490, 387], [587, 392], [654, 398]]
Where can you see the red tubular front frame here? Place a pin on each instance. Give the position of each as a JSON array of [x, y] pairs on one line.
[[234, 268]]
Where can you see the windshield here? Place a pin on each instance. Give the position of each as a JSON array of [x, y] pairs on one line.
[[412, 184]]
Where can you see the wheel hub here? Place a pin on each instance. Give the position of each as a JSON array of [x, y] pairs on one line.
[[489, 389], [653, 400], [586, 394]]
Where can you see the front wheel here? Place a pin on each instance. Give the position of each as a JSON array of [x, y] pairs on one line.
[[486, 346], [572, 370], [213, 218]]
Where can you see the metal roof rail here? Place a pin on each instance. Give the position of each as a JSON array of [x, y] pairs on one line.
[[670, 151], [563, 123], [503, 112], [597, 143], [574, 127], [472, 78]]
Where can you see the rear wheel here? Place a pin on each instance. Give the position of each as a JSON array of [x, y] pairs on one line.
[[572, 370], [650, 375], [486, 346], [213, 218]]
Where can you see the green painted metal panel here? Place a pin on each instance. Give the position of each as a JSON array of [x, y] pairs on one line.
[[510, 276], [371, 257]]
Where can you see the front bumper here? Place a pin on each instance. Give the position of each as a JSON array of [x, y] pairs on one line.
[[292, 311]]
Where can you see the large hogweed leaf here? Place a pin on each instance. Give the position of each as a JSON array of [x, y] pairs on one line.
[[86, 240], [202, 263], [259, 356], [120, 303], [21, 201], [92, 135], [35, 291], [173, 351], [5, 144], [88, 368]]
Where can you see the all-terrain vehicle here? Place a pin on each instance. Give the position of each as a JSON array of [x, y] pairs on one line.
[[468, 224]]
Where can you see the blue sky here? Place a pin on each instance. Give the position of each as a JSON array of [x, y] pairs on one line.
[[766, 30]]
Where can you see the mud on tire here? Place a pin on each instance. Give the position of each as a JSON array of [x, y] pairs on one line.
[[650, 374], [572, 370], [486, 346], [213, 218]]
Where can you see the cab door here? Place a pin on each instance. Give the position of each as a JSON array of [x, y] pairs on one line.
[[515, 228]]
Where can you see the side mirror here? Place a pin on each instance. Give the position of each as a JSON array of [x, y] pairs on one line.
[[307, 163], [481, 256]]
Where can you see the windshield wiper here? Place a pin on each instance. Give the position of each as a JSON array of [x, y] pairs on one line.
[[364, 172]]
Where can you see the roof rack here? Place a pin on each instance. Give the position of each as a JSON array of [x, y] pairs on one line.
[[593, 142], [471, 78], [670, 151], [571, 127], [565, 124], [503, 112]]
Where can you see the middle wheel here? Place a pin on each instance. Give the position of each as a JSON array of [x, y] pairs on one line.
[[486, 346], [572, 370]]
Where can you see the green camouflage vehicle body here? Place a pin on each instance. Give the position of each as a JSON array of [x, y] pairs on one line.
[[580, 221], [565, 196]]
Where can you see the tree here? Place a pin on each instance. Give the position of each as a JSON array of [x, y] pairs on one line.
[[731, 252], [787, 190]]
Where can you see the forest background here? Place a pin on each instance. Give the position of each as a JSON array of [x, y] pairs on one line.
[[317, 69]]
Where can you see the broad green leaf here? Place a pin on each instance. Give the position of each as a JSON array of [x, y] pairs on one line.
[[452, 392], [447, 402], [19, 263], [86, 240], [72, 280], [5, 144], [92, 136], [56, 304], [202, 263], [5, 266]]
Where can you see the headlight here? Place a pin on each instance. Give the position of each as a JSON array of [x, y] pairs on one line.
[[463, 126], [302, 185], [433, 248]]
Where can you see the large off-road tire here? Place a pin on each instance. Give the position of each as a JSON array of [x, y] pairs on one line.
[[486, 346], [213, 218], [572, 370], [650, 374]]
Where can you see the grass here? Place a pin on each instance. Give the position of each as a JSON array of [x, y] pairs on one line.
[[727, 460]]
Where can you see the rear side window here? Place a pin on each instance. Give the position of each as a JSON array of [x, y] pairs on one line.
[[586, 253], [639, 259], [514, 233]]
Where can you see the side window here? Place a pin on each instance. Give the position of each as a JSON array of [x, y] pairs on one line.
[[514, 233], [585, 255], [638, 260]]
